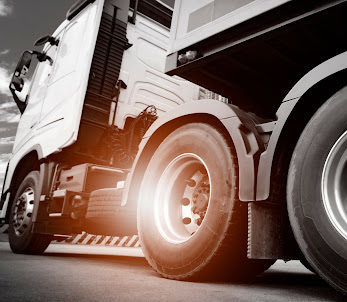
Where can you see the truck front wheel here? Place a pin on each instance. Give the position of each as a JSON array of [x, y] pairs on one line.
[[190, 221], [21, 238], [317, 191]]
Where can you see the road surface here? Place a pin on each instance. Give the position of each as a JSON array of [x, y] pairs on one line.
[[83, 273]]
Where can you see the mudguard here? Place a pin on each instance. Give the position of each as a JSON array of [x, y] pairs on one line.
[[13, 164], [245, 141]]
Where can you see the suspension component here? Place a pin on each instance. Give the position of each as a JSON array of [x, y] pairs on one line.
[[191, 182]]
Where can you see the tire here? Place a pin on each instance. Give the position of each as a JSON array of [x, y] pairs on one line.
[[21, 238], [315, 191], [195, 157]]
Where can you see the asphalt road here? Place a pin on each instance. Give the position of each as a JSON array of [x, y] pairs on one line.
[[83, 273]]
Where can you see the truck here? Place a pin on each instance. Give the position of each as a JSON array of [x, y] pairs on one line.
[[213, 129]]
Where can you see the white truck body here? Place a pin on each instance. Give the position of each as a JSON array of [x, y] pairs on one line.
[[52, 118]]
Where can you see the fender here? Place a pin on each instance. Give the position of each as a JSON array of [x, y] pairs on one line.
[[13, 164], [311, 79], [245, 142]]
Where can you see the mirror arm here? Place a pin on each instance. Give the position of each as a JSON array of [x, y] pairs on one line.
[[21, 105], [41, 56]]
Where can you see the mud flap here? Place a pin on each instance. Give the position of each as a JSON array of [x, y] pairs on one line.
[[269, 233]]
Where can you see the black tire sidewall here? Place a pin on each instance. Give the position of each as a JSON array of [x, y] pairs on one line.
[[190, 256], [324, 248], [20, 243]]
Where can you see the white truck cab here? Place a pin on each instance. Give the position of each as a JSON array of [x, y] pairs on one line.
[[125, 64]]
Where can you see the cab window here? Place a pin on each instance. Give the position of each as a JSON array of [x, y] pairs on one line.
[[42, 74]]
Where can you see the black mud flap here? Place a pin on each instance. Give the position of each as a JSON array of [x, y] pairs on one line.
[[269, 233]]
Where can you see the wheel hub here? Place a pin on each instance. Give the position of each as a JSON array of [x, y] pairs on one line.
[[182, 198], [333, 185], [201, 196], [23, 210]]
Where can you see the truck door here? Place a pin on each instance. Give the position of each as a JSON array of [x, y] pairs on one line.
[[63, 102], [36, 95]]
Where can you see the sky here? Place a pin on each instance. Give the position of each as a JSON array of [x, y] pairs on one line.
[[22, 22]]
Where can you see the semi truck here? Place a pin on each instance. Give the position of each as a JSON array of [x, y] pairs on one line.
[[214, 129]]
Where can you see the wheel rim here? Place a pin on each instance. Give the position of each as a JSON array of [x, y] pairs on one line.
[[334, 186], [182, 198], [23, 211]]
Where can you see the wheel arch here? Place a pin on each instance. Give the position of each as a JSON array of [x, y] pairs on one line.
[[29, 162], [298, 107], [228, 119]]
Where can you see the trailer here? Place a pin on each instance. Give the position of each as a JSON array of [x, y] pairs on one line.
[[213, 129], [283, 64]]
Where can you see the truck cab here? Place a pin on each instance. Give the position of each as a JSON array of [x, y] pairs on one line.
[[98, 86]]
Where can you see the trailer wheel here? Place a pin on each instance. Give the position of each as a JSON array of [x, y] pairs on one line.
[[21, 238], [191, 224], [317, 191]]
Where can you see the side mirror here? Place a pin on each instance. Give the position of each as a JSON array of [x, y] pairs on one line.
[[17, 82], [47, 39]]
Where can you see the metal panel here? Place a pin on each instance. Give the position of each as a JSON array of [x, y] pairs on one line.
[[196, 20]]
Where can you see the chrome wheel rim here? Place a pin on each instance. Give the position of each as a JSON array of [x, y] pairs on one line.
[[23, 211], [334, 185], [182, 198]]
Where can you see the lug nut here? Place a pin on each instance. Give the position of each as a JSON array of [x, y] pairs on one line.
[[191, 182], [185, 201], [186, 220]]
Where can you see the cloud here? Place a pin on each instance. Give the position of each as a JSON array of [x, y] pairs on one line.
[[5, 78], [4, 52], [8, 127], [5, 9], [7, 140], [9, 116]]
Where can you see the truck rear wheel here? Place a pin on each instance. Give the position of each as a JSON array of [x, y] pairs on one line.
[[191, 224], [317, 191], [21, 238]]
